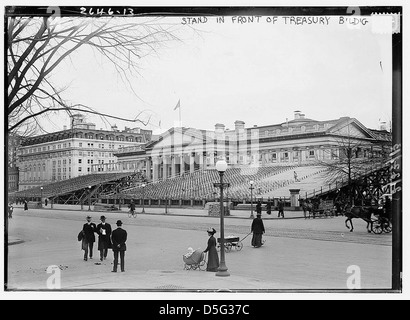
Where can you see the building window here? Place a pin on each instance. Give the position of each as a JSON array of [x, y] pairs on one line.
[[80, 144], [80, 169], [80, 160], [311, 153]]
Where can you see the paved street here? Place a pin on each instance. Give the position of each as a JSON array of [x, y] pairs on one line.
[[298, 253]]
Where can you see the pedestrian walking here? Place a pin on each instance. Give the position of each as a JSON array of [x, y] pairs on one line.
[[281, 207], [45, 202], [387, 207], [213, 259], [119, 239], [104, 238], [258, 230], [295, 175], [88, 240], [259, 207], [10, 209], [269, 208], [25, 205], [132, 207]]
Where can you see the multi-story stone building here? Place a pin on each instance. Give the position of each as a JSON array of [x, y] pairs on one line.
[[300, 141], [73, 152]]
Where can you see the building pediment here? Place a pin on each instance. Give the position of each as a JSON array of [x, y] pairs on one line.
[[350, 127], [179, 137]]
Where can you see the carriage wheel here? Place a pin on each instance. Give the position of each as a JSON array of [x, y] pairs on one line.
[[202, 265], [387, 227], [377, 227], [239, 246]]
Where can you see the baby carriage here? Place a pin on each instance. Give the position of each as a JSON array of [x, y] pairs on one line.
[[194, 260]]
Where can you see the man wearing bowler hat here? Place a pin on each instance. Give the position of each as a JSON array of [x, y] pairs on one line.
[[118, 239], [104, 238], [88, 238]]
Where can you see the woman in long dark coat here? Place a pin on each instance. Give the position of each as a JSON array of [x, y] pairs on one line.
[[213, 259], [258, 230]]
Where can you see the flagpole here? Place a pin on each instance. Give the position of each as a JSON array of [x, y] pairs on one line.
[[180, 122]]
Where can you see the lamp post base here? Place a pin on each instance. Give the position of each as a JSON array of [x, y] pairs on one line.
[[222, 271]]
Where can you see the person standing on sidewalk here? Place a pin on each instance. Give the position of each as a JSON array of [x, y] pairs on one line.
[[118, 239], [258, 230], [88, 238], [259, 207], [104, 238], [269, 207], [281, 206], [213, 259], [10, 209]]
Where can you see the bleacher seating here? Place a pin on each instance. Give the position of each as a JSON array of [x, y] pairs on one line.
[[71, 185], [200, 184]]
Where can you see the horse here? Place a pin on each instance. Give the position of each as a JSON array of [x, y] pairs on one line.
[[310, 207], [364, 213], [307, 207]]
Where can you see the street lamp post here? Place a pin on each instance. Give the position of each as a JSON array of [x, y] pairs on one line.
[[221, 166], [41, 197], [89, 198], [143, 198], [251, 188]]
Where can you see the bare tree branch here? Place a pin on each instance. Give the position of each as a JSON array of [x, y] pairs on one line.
[[37, 46]]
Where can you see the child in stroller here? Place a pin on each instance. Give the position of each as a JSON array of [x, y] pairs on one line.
[[194, 260]]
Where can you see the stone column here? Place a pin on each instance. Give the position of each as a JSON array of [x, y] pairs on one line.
[[182, 164], [201, 161], [155, 168], [173, 166], [148, 164], [211, 158], [164, 167], [191, 162]]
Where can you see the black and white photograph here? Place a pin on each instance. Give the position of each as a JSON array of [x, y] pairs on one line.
[[203, 149]]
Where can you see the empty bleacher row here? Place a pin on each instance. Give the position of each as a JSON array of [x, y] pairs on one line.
[[71, 185]]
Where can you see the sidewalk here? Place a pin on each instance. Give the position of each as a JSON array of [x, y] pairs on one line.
[[175, 211]]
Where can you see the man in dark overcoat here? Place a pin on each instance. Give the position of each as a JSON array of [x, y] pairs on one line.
[[259, 207], [119, 239], [281, 207], [269, 208], [104, 238], [88, 238], [258, 230]]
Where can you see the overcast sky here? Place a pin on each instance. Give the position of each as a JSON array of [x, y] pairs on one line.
[[257, 72]]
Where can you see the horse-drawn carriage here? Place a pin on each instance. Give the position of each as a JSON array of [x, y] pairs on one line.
[[377, 219], [320, 208]]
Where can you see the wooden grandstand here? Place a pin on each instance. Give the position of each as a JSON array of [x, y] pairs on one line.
[[199, 185], [79, 189]]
